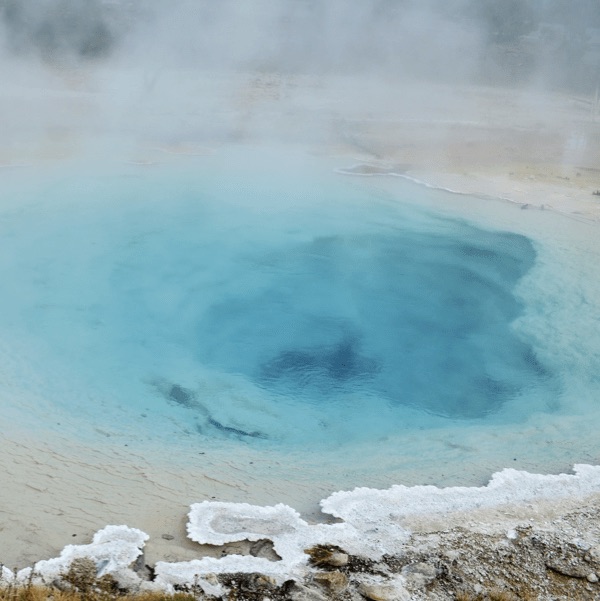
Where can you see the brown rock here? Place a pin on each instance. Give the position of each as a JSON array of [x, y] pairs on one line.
[[325, 555], [334, 582]]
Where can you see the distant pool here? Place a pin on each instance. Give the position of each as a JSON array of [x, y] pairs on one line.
[[290, 310]]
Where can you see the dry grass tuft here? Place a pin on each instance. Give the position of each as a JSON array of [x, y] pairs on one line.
[[81, 583], [47, 593]]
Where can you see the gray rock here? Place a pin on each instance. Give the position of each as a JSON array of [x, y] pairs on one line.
[[594, 553], [211, 578], [338, 560], [299, 592], [384, 592], [126, 580], [264, 548], [566, 567], [255, 583], [419, 575]]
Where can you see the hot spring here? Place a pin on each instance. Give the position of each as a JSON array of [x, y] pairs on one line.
[[350, 331]]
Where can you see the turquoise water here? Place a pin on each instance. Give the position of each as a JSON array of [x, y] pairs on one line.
[[416, 312], [268, 308]]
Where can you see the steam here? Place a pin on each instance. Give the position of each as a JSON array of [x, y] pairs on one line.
[[261, 64], [446, 39], [55, 29], [337, 36]]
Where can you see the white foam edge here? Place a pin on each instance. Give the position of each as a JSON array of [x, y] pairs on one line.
[[113, 549], [374, 524]]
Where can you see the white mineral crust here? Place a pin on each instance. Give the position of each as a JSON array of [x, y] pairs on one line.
[[379, 514], [113, 549], [6, 576], [373, 525], [219, 523]]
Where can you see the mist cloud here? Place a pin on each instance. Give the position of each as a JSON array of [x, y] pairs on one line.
[[300, 70], [444, 40], [310, 36], [58, 28]]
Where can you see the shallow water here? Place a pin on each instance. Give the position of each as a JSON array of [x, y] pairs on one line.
[[294, 311]]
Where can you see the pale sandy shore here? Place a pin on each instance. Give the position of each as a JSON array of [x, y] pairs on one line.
[[542, 151]]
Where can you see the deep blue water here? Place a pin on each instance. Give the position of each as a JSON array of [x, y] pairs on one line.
[[267, 308], [422, 319]]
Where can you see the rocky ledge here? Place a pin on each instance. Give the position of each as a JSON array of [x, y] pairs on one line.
[[524, 536]]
